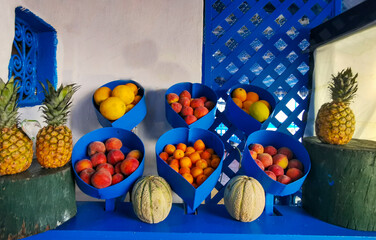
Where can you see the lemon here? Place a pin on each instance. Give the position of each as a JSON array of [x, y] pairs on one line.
[[259, 111], [125, 93], [112, 108], [101, 94]]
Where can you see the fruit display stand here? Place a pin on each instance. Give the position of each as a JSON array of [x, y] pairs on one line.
[[36, 200]]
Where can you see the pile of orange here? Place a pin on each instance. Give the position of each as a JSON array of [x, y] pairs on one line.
[[195, 163], [251, 103]]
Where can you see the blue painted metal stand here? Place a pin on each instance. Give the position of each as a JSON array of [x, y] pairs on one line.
[[211, 222]]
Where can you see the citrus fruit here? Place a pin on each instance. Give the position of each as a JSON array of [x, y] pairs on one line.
[[247, 104], [133, 87], [267, 104], [112, 108], [123, 92], [101, 94], [239, 93], [252, 96], [259, 111], [238, 102]]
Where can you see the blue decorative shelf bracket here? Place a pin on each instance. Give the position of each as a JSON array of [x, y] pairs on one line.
[[33, 56]]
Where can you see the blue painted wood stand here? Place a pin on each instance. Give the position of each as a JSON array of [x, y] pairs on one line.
[[211, 222]]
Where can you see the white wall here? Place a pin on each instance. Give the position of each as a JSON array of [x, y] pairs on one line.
[[156, 43]]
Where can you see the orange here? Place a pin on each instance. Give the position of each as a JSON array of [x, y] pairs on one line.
[[239, 93], [245, 110], [186, 162], [200, 179], [101, 94], [208, 171], [163, 155], [170, 158], [133, 87], [238, 102], [189, 150], [188, 177], [215, 162], [210, 150], [170, 149], [195, 185], [208, 161], [194, 157], [178, 154], [267, 104], [202, 163], [181, 146], [129, 107], [252, 96], [247, 104], [136, 100], [174, 162], [176, 168], [206, 154], [196, 171], [199, 145], [185, 170]]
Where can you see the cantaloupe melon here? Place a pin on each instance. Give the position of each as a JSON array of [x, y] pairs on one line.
[[151, 199], [244, 198]]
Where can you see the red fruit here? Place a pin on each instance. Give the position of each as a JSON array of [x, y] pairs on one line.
[[276, 169], [116, 178], [284, 179], [101, 179], [129, 165], [95, 147], [85, 175], [253, 154], [295, 163], [189, 119], [113, 143], [98, 158], [117, 167], [258, 148], [200, 112], [271, 150], [204, 99], [259, 163], [82, 165], [185, 111], [286, 151], [176, 107], [107, 167], [271, 175], [197, 102], [115, 156], [281, 160], [209, 105], [294, 174], [265, 158], [186, 94], [184, 101], [172, 97]]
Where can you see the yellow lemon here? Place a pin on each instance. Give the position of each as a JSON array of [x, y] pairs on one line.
[[112, 108], [125, 93], [101, 94], [259, 111], [133, 87]]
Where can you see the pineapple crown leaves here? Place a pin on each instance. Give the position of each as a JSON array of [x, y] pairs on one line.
[[57, 103], [343, 86], [8, 103]]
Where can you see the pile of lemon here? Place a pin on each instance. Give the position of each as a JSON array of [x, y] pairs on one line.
[[251, 103], [113, 104]]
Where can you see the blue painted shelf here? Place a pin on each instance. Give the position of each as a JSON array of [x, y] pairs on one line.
[[211, 222]]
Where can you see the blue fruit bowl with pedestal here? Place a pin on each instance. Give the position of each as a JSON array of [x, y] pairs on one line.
[[277, 140], [130, 142], [197, 90], [131, 118], [239, 117], [191, 196]]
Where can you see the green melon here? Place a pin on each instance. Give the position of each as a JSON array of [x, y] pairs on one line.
[[151, 199], [244, 198]]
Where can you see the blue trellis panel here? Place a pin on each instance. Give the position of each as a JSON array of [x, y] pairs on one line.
[[264, 43]]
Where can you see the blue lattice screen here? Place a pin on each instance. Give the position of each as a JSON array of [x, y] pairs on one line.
[[264, 43], [33, 56]]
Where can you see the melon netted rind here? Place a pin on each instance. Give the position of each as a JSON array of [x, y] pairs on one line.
[[244, 198], [151, 199]]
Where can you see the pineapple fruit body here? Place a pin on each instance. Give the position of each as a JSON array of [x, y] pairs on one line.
[[54, 146], [335, 123]]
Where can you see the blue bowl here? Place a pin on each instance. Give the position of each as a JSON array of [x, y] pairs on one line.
[[241, 119], [130, 142], [130, 119], [197, 90], [276, 139], [192, 196]]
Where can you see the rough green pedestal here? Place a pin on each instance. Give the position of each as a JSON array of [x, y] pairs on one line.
[[36, 200], [341, 187]]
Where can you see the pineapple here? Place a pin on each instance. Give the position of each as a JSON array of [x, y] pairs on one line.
[[335, 121], [16, 148], [54, 142]]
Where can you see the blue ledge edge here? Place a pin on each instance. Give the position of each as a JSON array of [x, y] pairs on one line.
[[211, 222]]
